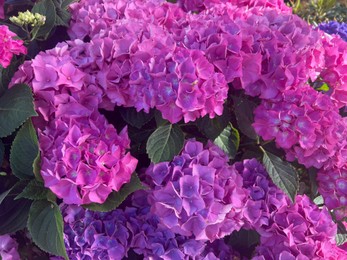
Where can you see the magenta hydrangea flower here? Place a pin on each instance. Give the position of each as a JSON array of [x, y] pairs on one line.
[[94, 235], [198, 194], [264, 198], [332, 185], [299, 231], [8, 248], [200, 5], [85, 159], [9, 46], [305, 123]]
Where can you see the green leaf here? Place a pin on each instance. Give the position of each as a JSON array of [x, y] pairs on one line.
[[228, 141], [282, 174], [159, 120], [62, 14], [244, 108], [34, 191], [16, 106], [212, 128], [7, 74], [13, 213], [341, 236], [46, 8], [136, 119], [23, 151], [2, 152], [37, 167], [116, 198], [164, 143], [45, 225]]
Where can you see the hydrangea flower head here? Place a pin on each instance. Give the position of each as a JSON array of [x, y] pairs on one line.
[[300, 230], [264, 196], [198, 194], [152, 240], [94, 235], [334, 27], [85, 159], [8, 248], [304, 122], [9, 46]]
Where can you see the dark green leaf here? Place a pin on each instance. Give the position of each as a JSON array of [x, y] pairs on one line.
[[212, 128], [164, 143], [37, 167], [62, 14], [45, 225], [136, 119], [2, 152], [23, 151], [34, 191], [13, 213], [16, 106], [116, 198], [341, 236], [7, 74], [228, 141], [244, 115], [282, 174], [159, 120], [46, 8]]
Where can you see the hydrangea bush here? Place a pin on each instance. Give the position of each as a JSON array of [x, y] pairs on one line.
[[147, 129]]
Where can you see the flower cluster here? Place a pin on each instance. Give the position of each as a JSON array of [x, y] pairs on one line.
[[200, 5], [299, 231], [28, 18], [9, 46], [152, 240], [94, 235], [334, 27], [85, 159], [305, 124], [264, 196], [198, 194], [8, 248]]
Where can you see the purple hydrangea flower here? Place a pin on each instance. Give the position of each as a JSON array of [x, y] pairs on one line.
[[334, 27], [8, 248], [300, 231], [264, 198], [94, 235], [198, 194]]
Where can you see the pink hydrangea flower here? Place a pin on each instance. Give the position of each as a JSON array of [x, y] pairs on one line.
[[299, 231], [84, 159], [9, 46], [305, 123]]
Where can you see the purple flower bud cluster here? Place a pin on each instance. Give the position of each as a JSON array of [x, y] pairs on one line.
[[334, 27], [198, 194], [8, 248]]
